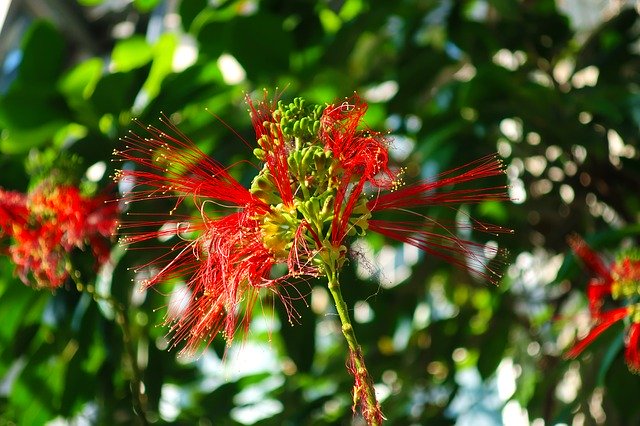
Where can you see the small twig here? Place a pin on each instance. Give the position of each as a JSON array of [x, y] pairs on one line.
[[122, 319]]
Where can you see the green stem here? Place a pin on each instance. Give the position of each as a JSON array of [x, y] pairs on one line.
[[122, 319], [370, 401]]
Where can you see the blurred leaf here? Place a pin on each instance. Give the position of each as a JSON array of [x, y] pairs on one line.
[[27, 108], [610, 355], [131, 53], [116, 92], [78, 84], [188, 11], [293, 334], [15, 141], [31, 110], [15, 302], [146, 5], [42, 55], [493, 346], [266, 51], [494, 210], [163, 52]]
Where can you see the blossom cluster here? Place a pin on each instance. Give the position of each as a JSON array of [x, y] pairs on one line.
[[619, 285], [321, 177], [45, 225]]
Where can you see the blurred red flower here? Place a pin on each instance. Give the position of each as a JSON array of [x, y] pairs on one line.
[[618, 283], [46, 224]]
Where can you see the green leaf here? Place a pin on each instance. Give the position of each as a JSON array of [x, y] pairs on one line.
[[494, 210], [26, 108], [266, 52], [163, 52], [131, 53], [188, 11], [16, 141], [145, 5], [15, 303], [116, 92], [79, 82], [293, 334], [42, 55], [610, 355], [493, 346]]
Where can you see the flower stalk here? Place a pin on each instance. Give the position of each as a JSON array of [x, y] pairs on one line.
[[364, 394]]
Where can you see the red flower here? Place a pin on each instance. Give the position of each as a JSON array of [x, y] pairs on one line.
[[363, 154], [599, 286], [620, 283], [47, 224], [322, 178], [224, 258]]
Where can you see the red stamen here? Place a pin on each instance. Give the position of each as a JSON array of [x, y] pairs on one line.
[[589, 257], [632, 351], [424, 193], [605, 321]]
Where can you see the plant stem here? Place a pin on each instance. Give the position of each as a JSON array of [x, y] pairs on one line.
[[364, 392], [122, 319]]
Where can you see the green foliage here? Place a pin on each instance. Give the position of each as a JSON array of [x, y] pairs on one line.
[[518, 79]]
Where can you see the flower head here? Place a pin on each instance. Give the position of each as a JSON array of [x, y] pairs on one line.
[[322, 178], [617, 284], [46, 224]]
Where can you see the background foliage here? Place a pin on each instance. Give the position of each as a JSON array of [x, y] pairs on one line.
[[556, 93]]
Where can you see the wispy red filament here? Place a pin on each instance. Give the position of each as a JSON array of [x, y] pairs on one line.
[[227, 257], [590, 258], [438, 237], [606, 320]]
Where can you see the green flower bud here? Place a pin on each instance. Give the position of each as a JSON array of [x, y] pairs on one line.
[[259, 154]]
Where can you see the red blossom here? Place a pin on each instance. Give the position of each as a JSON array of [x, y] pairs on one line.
[[626, 270], [222, 256], [48, 223], [308, 196], [232, 266], [322, 177], [13, 210], [619, 283], [600, 286], [362, 154], [597, 291]]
